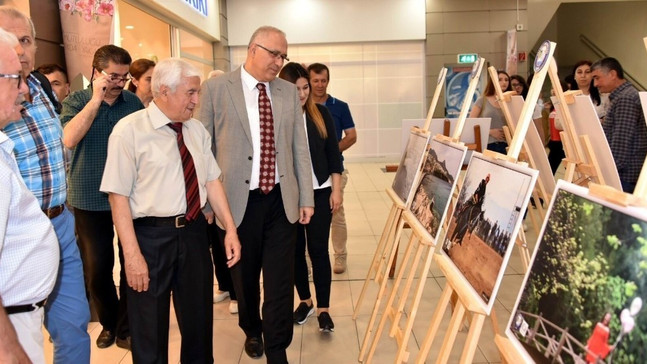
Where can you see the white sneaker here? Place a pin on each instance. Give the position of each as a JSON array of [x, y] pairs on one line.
[[233, 307], [219, 296]]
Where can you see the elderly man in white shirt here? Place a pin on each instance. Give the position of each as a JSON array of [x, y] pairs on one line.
[[159, 174], [29, 252]]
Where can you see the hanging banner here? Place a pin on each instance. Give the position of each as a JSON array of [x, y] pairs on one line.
[[511, 56], [87, 25]]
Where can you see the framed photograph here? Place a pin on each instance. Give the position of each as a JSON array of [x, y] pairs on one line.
[[410, 164], [436, 184], [484, 225], [586, 122], [581, 300]]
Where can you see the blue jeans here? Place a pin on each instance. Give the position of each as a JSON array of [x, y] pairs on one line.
[[67, 311]]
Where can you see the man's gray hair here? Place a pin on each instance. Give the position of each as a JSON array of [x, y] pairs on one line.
[[14, 13], [265, 29], [8, 39], [170, 72]]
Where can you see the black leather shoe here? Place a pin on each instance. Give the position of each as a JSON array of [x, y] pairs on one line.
[[254, 347], [105, 339], [124, 343]]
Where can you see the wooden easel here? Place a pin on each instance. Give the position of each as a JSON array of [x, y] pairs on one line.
[[386, 252], [546, 181], [468, 300], [423, 245], [581, 164]]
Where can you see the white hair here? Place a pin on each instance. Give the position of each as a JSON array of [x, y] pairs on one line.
[[8, 39], [215, 73], [169, 72]]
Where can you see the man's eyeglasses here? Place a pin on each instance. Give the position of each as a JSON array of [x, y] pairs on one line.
[[116, 78], [13, 76], [275, 53]]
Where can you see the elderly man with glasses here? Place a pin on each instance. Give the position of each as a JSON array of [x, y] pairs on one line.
[[37, 137], [256, 123], [88, 117], [29, 250]]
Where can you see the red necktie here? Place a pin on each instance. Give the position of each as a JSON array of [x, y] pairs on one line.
[[268, 159], [190, 177]]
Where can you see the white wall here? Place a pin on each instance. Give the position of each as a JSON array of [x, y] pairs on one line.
[[617, 28], [381, 81], [328, 21]]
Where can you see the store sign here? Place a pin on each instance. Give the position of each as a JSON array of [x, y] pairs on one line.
[[199, 5], [467, 57]]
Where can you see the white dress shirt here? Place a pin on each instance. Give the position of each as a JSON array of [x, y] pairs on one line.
[[144, 163], [250, 92], [29, 251]]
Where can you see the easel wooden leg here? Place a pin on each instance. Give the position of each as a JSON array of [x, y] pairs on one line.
[[381, 292], [434, 324], [403, 354], [454, 326], [389, 311], [473, 338], [380, 253]]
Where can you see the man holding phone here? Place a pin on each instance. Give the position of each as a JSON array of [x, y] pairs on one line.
[[88, 118]]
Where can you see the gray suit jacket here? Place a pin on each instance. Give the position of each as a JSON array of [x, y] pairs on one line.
[[222, 111]]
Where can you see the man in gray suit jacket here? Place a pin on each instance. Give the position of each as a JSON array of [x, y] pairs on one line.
[[229, 109]]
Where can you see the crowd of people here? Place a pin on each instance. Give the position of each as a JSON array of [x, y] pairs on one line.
[[616, 102], [246, 184], [242, 173]]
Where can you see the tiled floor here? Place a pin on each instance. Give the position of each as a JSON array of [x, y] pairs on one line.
[[367, 208]]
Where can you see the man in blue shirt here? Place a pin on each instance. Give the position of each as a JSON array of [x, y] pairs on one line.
[[39, 154], [344, 125]]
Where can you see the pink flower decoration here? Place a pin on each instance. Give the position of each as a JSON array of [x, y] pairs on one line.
[[67, 5], [87, 14], [105, 9], [82, 6]]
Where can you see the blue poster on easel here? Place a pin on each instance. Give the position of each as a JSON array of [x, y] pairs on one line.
[[456, 84]]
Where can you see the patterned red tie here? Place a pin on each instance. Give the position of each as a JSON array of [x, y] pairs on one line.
[[268, 158], [190, 177]]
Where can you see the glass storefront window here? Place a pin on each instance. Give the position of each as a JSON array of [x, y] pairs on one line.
[[143, 35], [196, 51]]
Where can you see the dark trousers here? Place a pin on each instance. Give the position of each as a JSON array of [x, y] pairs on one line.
[[315, 236], [223, 276], [499, 147], [267, 239], [556, 154], [178, 261], [95, 238]]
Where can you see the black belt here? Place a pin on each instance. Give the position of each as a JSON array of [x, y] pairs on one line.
[[53, 212], [24, 308], [172, 221]]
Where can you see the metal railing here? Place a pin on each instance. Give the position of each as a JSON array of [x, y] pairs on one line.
[[561, 342], [602, 54]]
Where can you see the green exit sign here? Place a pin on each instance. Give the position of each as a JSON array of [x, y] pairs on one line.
[[467, 58]]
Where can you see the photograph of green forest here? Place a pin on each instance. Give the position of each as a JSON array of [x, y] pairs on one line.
[[589, 267]]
